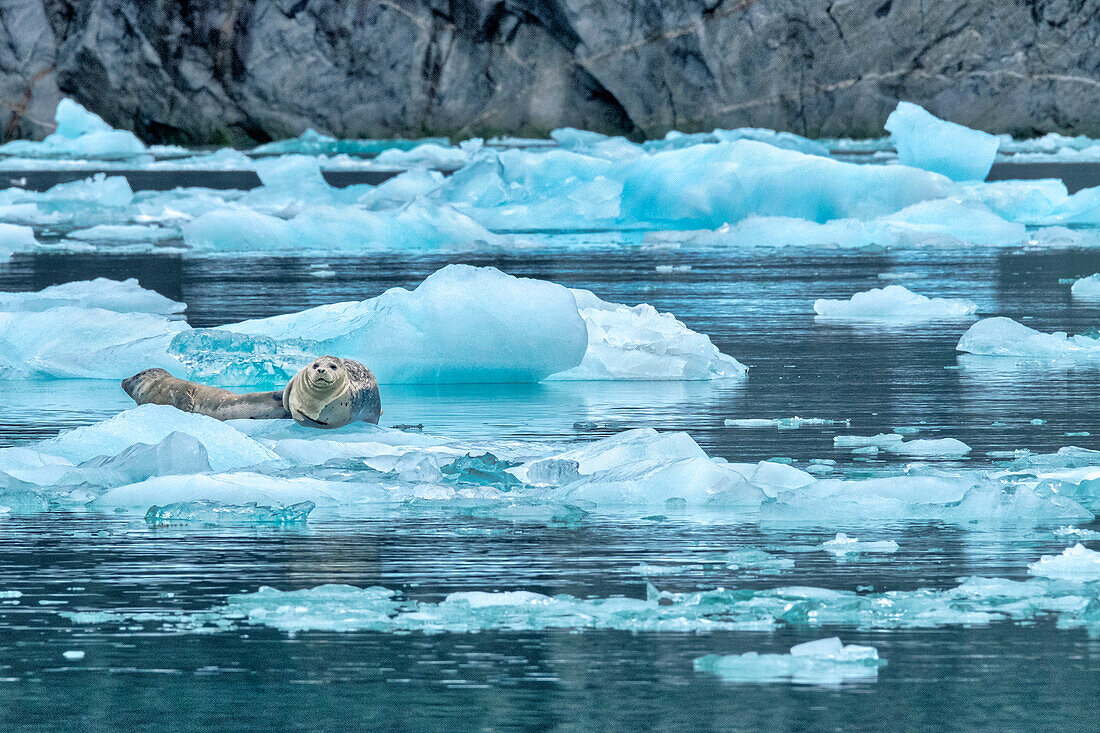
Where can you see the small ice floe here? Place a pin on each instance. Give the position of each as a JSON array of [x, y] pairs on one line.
[[1087, 288], [844, 545], [821, 662], [73, 655], [894, 303], [217, 513], [1077, 532], [1005, 337], [1075, 563], [897, 445], [783, 423]]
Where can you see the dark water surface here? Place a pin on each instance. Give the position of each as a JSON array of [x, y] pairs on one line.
[[757, 307]]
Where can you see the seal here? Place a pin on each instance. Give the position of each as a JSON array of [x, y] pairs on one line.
[[333, 392], [329, 393], [158, 387]]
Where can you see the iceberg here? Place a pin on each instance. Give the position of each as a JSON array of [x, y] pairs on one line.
[[125, 296], [882, 440], [821, 662], [894, 302], [641, 343], [216, 513], [462, 324], [1087, 288], [1077, 563], [844, 545], [925, 141], [79, 134], [1005, 337]]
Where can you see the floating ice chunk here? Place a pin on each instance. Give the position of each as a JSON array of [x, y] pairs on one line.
[[845, 545], [631, 446], [647, 569], [1084, 534], [80, 134], [938, 448], [16, 238], [963, 498], [893, 302], [462, 324], [1087, 288], [402, 189], [1005, 337], [73, 655], [882, 440], [325, 229], [641, 343], [213, 512], [430, 155], [950, 220], [1075, 563], [925, 141], [93, 343], [709, 185], [822, 662], [226, 447], [124, 296], [694, 481], [783, 423], [177, 454]]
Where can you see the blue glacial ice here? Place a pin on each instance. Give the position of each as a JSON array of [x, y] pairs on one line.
[[79, 134], [894, 303], [1087, 288], [1076, 563], [976, 601], [1005, 337], [821, 662], [216, 513], [925, 141]]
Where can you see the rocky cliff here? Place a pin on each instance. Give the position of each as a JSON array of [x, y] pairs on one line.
[[243, 71]]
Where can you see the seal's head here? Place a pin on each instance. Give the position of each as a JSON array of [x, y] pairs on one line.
[[140, 385], [326, 374]]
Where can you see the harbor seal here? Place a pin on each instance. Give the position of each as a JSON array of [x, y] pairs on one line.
[[332, 392], [329, 393], [158, 387]]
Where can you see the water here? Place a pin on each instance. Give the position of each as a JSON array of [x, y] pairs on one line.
[[757, 308]]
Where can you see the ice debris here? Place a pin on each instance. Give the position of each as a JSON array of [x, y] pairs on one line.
[[894, 302], [79, 134], [976, 601], [1075, 563], [1078, 532], [1005, 337], [925, 141], [783, 423], [821, 662], [312, 142], [843, 545], [15, 238], [217, 513], [1087, 288]]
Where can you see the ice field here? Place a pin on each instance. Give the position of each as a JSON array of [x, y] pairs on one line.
[[676, 433]]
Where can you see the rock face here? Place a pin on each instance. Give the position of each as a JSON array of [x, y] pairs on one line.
[[243, 71]]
